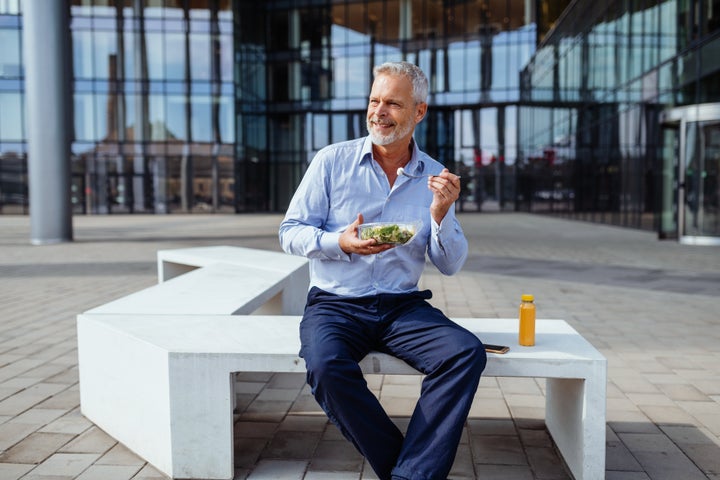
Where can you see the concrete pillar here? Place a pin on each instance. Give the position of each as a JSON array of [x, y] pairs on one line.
[[48, 94]]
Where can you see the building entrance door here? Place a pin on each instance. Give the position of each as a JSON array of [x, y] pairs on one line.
[[692, 157]]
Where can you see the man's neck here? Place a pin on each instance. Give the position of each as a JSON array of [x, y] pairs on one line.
[[392, 156]]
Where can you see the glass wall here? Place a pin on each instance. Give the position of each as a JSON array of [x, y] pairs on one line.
[[317, 59], [591, 144], [153, 105], [13, 151], [219, 105]]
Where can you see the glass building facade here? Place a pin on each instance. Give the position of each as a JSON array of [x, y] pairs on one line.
[[573, 108], [218, 105], [620, 120]]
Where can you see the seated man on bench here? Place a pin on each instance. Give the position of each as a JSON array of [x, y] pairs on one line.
[[364, 294]]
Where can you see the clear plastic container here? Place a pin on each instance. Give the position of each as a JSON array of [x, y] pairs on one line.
[[396, 233]]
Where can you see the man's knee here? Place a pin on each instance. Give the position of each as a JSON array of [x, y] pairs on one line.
[[473, 352]]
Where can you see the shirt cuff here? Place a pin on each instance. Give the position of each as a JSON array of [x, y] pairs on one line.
[[330, 246], [437, 230]]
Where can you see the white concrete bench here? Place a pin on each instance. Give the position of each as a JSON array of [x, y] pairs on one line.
[[164, 384], [162, 381], [220, 281]]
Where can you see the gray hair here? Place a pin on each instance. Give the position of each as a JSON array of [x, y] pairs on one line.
[[411, 72]]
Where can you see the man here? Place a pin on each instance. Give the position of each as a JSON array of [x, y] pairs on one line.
[[364, 296]]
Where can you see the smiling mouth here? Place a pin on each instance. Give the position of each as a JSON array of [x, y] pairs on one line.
[[382, 124]]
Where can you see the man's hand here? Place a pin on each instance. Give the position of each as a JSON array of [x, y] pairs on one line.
[[446, 189], [350, 243]]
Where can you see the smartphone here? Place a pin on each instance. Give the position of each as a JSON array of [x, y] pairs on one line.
[[496, 348]]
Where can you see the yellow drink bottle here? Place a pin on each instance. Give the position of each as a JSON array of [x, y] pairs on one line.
[[527, 321]]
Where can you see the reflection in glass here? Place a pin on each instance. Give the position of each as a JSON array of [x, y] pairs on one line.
[[235, 96], [11, 115], [702, 179], [10, 53], [84, 111]]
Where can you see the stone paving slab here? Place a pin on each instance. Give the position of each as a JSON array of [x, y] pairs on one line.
[[649, 306]]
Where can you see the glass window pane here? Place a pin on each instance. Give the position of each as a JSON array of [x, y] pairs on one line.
[[503, 55], [130, 120], [10, 53], [156, 108], [202, 123], [668, 30], [10, 7], [101, 116], [339, 128], [489, 129], [104, 54], [200, 9], [321, 131], [11, 117], [129, 39], [227, 119], [82, 54], [154, 43], [456, 60], [202, 182], [358, 79], [340, 77], [153, 8], [226, 58], [84, 113], [175, 121], [174, 56], [477, 74], [200, 54]]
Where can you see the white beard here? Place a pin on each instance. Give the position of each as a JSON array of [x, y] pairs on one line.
[[399, 132]]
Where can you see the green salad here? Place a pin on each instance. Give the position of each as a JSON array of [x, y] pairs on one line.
[[387, 233]]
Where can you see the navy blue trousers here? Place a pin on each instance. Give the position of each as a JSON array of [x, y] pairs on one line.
[[337, 332]]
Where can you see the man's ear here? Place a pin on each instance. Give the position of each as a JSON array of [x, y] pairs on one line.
[[420, 111]]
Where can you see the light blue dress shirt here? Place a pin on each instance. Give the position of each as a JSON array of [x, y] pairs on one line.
[[343, 180]]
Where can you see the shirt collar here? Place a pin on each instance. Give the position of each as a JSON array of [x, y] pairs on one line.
[[415, 166]]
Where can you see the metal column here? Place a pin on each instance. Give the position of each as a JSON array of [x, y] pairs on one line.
[[48, 70]]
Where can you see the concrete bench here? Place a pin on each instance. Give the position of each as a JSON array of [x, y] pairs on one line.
[[163, 384], [220, 281]]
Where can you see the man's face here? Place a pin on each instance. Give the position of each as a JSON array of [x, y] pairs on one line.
[[392, 112]]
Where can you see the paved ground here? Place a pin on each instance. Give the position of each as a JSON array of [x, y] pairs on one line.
[[651, 307]]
